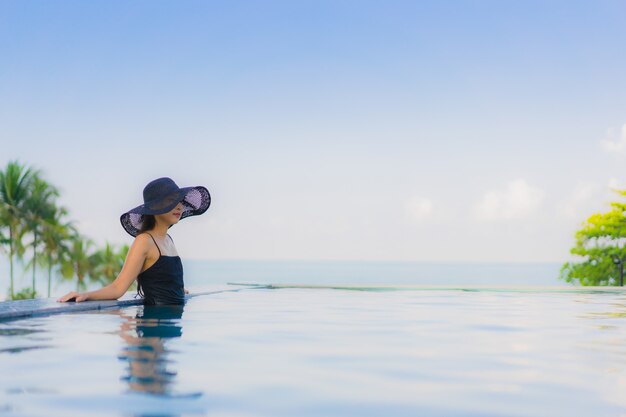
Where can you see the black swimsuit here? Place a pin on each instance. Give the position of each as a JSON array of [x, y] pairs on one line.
[[162, 283]]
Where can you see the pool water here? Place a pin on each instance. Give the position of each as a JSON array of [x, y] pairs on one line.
[[326, 352]]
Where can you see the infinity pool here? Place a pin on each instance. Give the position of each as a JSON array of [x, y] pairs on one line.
[[326, 352]]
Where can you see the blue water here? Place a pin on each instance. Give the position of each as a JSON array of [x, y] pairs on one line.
[[333, 272], [325, 352], [202, 272]]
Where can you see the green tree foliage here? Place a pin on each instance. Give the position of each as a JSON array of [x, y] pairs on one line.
[[87, 264], [24, 294], [31, 221], [39, 210], [15, 184], [56, 238], [108, 263], [78, 263], [599, 243]]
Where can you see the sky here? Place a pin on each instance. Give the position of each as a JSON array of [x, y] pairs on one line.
[[479, 131]]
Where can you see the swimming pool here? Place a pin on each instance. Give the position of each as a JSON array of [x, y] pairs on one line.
[[326, 352]]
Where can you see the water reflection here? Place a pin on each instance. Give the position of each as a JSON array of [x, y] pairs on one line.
[[149, 359]]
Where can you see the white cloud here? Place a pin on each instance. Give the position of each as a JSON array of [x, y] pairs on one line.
[[615, 145], [616, 184], [518, 200], [588, 198], [581, 202], [418, 209]]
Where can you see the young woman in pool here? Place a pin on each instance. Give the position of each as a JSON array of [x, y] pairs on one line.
[[152, 258]]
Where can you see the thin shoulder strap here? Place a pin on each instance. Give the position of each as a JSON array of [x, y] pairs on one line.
[[155, 244], [170, 238]]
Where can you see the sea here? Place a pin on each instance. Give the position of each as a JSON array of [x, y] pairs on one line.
[[202, 273]]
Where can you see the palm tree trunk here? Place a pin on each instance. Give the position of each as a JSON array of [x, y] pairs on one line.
[[34, 259], [11, 260], [49, 273]]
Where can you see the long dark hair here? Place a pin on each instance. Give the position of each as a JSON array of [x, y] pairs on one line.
[[147, 223]]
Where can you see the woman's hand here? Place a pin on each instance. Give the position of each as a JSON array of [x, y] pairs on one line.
[[186, 291], [73, 296]]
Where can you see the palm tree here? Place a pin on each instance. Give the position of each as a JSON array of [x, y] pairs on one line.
[[55, 236], [39, 209], [15, 183], [108, 263], [77, 261]]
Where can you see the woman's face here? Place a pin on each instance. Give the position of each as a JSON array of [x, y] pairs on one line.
[[173, 216]]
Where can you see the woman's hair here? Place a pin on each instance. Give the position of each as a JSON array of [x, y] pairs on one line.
[[147, 223]]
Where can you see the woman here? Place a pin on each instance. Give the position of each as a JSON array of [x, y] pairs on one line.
[[152, 258]]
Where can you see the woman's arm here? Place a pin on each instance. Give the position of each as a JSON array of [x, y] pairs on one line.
[[132, 267]]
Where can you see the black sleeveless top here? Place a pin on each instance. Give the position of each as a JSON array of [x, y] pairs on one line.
[[162, 283]]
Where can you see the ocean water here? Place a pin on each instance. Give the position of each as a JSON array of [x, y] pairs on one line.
[[388, 273], [199, 273], [327, 352]]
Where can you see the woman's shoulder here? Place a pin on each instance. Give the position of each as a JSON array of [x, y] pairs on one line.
[[142, 236], [142, 240]]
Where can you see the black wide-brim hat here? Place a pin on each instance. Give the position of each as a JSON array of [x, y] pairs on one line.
[[161, 196]]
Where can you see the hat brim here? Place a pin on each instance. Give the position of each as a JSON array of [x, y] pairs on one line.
[[196, 200]]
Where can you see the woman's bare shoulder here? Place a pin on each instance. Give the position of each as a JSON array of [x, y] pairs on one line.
[[142, 241], [143, 235]]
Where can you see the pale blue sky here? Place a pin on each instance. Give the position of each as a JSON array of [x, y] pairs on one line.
[[435, 131]]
